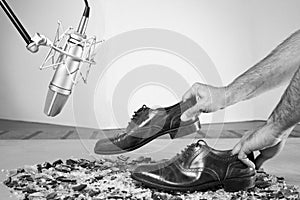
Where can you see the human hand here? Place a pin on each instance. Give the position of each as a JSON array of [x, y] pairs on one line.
[[209, 99], [268, 153], [266, 139]]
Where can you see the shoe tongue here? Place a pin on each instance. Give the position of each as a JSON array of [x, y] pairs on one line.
[[191, 149]]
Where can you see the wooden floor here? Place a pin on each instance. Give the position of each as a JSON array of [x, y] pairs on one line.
[[10, 129], [28, 143]]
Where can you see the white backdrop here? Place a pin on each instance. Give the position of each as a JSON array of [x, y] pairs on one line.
[[234, 34]]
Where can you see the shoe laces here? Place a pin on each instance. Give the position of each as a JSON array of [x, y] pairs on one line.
[[118, 137], [137, 114], [134, 119], [189, 149]]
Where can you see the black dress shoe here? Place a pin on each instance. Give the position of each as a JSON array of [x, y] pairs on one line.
[[198, 168], [148, 124]]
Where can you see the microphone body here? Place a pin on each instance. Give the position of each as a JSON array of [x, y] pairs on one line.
[[66, 72], [64, 77]]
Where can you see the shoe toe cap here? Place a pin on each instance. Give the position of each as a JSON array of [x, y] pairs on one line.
[[143, 174], [150, 173], [106, 146]]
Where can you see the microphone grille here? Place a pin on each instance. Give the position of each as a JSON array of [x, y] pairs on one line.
[[54, 103]]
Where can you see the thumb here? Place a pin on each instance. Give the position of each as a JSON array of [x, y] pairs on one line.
[[236, 149], [190, 113]]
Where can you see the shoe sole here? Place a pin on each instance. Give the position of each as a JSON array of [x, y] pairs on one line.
[[229, 185], [174, 133]]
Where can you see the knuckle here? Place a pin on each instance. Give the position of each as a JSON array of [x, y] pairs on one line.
[[196, 85]]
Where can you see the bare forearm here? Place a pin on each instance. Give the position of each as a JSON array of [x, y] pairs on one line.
[[275, 69], [287, 112]]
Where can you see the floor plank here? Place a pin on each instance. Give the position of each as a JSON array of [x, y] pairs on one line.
[[12, 129]]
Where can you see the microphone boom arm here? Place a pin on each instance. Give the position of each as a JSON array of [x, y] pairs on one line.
[[32, 43], [37, 40], [14, 19]]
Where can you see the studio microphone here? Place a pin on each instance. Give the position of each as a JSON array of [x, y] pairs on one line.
[[64, 77], [78, 49]]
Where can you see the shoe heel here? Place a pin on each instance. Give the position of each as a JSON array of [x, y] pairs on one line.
[[237, 184], [185, 130]]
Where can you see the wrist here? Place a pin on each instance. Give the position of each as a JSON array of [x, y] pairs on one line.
[[274, 128], [219, 98], [229, 96]]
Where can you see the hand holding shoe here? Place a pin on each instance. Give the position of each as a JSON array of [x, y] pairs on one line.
[[265, 139], [209, 99]]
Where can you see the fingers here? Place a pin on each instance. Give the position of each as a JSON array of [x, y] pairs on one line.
[[242, 155], [191, 92], [268, 153], [190, 113]]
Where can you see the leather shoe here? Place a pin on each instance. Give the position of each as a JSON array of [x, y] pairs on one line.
[[198, 168], [148, 124]]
